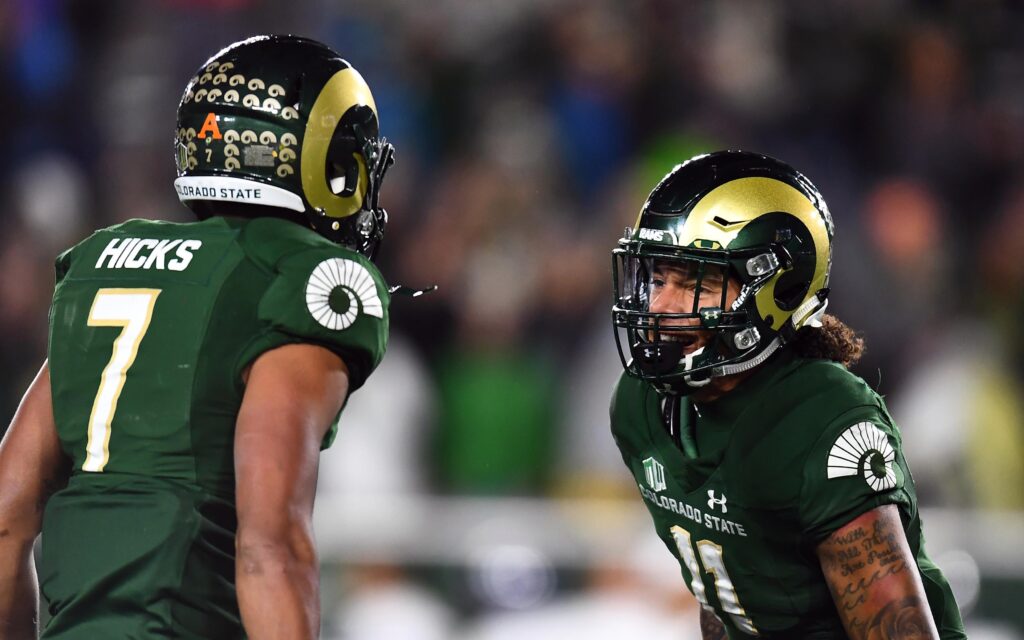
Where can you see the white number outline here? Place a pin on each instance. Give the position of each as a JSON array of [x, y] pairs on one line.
[[714, 563], [132, 310]]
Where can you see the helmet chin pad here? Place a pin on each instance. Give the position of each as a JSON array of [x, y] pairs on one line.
[[658, 357]]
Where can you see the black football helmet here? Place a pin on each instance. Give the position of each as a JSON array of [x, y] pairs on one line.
[[750, 218], [284, 122]]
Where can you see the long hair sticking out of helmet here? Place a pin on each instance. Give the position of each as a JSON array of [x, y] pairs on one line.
[[754, 218]]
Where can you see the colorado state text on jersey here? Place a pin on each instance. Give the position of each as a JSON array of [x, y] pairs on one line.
[[713, 522]]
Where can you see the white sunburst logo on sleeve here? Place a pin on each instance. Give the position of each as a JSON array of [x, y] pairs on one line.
[[863, 450], [333, 289]]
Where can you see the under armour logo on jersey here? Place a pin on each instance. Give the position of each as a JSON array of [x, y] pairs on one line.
[[333, 289], [863, 450], [712, 501], [654, 472]]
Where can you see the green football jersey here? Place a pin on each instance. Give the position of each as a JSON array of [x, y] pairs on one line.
[[742, 490], [151, 328]]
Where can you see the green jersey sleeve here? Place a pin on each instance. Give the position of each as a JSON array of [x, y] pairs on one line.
[[856, 465], [319, 293], [336, 299]]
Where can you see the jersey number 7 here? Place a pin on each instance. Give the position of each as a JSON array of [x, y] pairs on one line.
[[130, 309]]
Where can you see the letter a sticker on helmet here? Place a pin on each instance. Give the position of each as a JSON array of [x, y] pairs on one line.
[[338, 291], [210, 124]]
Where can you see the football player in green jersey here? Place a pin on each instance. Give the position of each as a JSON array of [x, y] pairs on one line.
[[773, 474], [168, 448]]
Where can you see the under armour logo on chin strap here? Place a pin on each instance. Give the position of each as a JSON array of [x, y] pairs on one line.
[[712, 501]]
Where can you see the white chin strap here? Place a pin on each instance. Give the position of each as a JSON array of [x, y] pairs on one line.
[[808, 314], [746, 365]]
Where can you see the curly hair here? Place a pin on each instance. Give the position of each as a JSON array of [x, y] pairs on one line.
[[833, 340]]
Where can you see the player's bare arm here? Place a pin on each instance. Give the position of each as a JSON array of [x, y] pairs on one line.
[[32, 468], [874, 579], [711, 628], [293, 393]]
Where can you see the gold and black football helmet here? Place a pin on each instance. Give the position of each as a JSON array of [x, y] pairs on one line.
[[752, 218], [284, 122]]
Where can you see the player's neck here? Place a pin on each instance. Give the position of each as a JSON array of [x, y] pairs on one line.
[[719, 387]]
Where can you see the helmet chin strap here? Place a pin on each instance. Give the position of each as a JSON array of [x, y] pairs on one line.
[[808, 314], [746, 365], [814, 320]]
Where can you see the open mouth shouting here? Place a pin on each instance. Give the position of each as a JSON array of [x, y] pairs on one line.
[[690, 340]]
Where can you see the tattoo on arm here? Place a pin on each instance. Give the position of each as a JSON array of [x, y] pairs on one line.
[[873, 580], [711, 627], [864, 557], [903, 619]]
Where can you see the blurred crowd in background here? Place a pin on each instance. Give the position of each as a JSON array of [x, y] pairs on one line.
[[529, 133]]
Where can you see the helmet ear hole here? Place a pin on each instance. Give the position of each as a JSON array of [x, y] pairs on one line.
[[343, 176], [790, 290], [342, 168]]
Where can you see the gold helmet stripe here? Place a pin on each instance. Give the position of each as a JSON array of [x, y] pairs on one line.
[[737, 203], [344, 90]]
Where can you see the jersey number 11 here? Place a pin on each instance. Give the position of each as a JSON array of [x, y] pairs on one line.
[[711, 557]]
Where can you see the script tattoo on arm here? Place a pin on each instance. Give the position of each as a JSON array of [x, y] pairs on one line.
[[874, 579], [711, 627]]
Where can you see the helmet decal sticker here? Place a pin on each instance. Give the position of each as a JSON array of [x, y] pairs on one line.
[[287, 114], [210, 124]]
